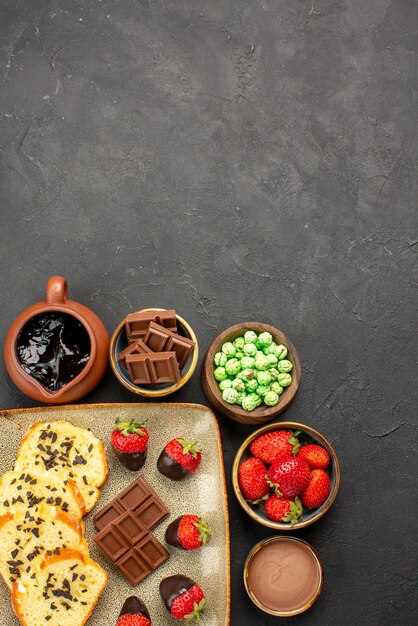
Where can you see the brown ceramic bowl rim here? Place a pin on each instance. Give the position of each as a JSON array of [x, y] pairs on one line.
[[153, 393], [312, 552], [66, 308], [263, 411], [320, 511]]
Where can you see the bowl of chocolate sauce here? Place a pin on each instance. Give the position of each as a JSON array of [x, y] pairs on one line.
[[283, 576], [56, 351]]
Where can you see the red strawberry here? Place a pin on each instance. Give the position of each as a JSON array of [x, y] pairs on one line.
[[130, 442], [183, 597], [274, 445], [289, 476], [317, 490], [252, 480], [315, 456], [134, 613], [188, 531], [133, 620], [281, 509], [179, 459]]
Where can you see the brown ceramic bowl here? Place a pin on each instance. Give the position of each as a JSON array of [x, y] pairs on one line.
[[235, 412], [118, 342], [317, 587], [308, 435], [57, 301]]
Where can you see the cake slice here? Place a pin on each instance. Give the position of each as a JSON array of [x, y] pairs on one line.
[[67, 452], [25, 490], [67, 588], [27, 536]]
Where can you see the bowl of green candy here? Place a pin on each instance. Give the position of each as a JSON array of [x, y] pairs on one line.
[[251, 372]]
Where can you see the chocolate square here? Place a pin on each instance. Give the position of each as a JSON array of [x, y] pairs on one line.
[[136, 347], [151, 513], [112, 544], [130, 527], [134, 567], [109, 514], [152, 551], [134, 495]]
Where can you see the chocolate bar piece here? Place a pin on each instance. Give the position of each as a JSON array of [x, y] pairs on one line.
[[152, 368], [136, 324], [136, 347], [124, 531], [159, 339], [133, 498]]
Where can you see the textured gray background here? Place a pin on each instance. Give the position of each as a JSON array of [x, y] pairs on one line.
[[237, 160]]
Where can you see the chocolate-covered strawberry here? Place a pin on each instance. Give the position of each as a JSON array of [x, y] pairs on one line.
[[130, 443], [183, 598], [188, 532], [134, 613], [179, 459]]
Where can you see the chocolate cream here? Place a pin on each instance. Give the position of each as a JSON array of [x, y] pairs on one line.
[[283, 575]]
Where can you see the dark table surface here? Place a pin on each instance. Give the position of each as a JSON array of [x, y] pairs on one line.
[[239, 160]]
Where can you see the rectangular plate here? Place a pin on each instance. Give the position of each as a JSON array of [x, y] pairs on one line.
[[204, 494]]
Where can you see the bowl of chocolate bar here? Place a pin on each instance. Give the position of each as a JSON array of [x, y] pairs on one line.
[[153, 352]]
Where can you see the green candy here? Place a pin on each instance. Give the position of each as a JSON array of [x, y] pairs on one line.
[[239, 355], [258, 345], [248, 403], [272, 360], [240, 397], [275, 386], [230, 395], [220, 373], [284, 379], [285, 366], [265, 339], [256, 398], [238, 385], [251, 385], [271, 398], [263, 378], [233, 367], [262, 390], [249, 349], [220, 359], [261, 362], [228, 349], [250, 336], [224, 384], [280, 352], [247, 374], [273, 373], [248, 362], [239, 343], [270, 348]]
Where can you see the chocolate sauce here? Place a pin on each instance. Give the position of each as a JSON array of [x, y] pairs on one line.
[[53, 348], [134, 606], [133, 461], [173, 586], [171, 533], [170, 468]]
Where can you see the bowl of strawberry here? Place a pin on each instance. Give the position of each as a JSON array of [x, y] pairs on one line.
[[286, 476]]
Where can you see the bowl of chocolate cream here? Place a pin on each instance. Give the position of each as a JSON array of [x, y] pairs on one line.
[[56, 351], [283, 576]]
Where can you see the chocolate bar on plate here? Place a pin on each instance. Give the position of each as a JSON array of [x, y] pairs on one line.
[[136, 324], [124, 531], [159, 339]]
